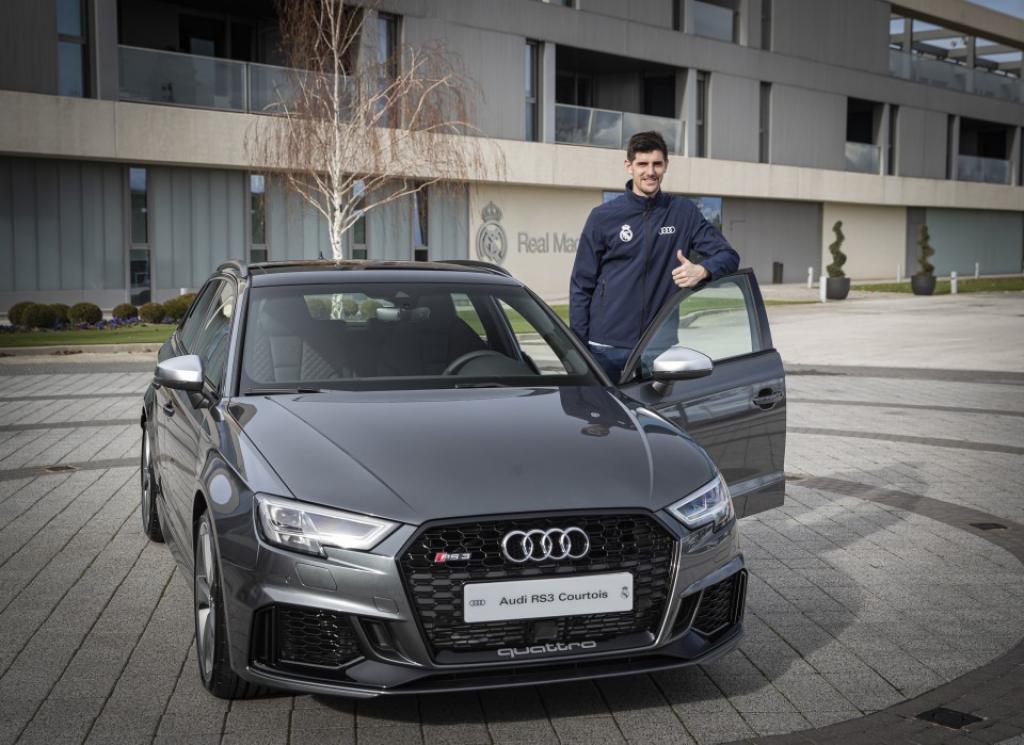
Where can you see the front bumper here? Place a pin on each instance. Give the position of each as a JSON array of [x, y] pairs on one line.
[[348, 624]]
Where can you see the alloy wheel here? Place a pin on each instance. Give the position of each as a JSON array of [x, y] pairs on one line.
[[206, 606]]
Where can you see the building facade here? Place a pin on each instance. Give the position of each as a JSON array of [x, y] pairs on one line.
[[126, 174]]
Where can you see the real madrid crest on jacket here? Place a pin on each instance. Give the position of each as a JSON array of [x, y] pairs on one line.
[[623, 270]]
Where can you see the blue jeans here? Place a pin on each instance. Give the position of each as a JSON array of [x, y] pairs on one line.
[[611, 359]]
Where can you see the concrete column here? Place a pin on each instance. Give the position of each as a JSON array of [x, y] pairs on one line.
[[883, 139], [1015, 147], [547, 92], [688, 12], [908, 34], [103, 49], [689, 113], [954, 148]]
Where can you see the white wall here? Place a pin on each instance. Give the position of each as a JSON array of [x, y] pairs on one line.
[[875, 239]]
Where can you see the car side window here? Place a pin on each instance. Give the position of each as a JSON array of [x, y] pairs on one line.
[[532, 343], [212, 341], [720, 320], [193, 324]]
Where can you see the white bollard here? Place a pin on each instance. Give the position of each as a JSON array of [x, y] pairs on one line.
[[952, 283], [977, 269], [821, 288], [899, 273], [182, 290], [810, 277]]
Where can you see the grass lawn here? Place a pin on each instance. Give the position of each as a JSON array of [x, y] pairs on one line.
[[145, 333], [982, 284]]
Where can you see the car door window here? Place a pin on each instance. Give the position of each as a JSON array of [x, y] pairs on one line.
[[719, 320], [194, 321], [531, 342], [212, 341]]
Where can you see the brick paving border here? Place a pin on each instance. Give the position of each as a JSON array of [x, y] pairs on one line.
[[994, 691]]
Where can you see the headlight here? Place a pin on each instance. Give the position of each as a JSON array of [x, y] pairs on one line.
[[711, 503], [309, 528]]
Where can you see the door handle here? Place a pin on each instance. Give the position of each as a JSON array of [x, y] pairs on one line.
[[767, 398], [168, 408]]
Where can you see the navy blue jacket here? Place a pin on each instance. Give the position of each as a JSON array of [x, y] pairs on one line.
[[622, 274]]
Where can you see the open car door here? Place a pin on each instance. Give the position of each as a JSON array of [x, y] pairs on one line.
[[737, 412]]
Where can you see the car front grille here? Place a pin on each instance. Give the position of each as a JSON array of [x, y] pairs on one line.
[[633, 543], [290, 635], [721, 605]]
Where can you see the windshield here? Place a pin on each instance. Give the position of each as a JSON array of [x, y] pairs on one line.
[[376, 336]]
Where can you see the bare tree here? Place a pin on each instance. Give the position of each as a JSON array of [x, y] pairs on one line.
[[360, 125]]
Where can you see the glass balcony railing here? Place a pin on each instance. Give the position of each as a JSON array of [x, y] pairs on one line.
[[987, 170], [955, 77], [863, 158], [184, 79], [579, 125]]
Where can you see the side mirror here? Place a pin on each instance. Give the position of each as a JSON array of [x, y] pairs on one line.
[[184, 373], [679, 363]]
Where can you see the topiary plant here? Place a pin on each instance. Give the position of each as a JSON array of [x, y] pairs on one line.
[[124, 311], [85, 313], [924, 252], [349, 307], [61, 310], [14, 315], [319, 308], [835, 269], [368, 308], [177, 307], [39, 317], [152, 313]]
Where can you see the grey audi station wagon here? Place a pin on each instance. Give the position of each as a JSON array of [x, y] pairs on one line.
[[393, 477]]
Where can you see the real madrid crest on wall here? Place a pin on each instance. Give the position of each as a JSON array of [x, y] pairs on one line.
[[491, 244]]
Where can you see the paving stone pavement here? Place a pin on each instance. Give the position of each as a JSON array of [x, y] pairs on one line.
[[856, 604]]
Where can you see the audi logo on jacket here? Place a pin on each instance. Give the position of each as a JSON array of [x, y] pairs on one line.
[[622, 274]]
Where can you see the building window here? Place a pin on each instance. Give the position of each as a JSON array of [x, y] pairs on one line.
[[387, 59], [359, 227], [421, 225], [257, 217], [894, 113], [951, 145], [531, 58], [138, 253], [716, 19], [766, 24], [702, 113], [678, 9], [71, 49], [764, 119]]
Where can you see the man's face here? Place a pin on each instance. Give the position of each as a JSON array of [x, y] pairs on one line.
[[647, 170]]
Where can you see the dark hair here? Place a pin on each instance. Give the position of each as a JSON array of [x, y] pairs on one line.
[[645, 142]]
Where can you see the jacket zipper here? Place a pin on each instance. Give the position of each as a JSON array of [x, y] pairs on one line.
[[647, 262]]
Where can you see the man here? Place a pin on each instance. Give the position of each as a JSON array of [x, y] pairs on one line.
[[635, 252]]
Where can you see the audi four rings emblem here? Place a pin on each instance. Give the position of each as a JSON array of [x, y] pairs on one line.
[[521, 546]]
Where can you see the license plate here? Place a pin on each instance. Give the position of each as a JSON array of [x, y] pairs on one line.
[[541, 598]]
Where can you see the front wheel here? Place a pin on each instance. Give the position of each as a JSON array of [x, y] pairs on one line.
[[150, 518], [211, 631]]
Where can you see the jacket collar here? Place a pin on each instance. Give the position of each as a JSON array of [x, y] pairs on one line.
[[658, 200]]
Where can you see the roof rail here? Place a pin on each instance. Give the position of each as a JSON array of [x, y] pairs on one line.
[[482, 265], [239, 266]]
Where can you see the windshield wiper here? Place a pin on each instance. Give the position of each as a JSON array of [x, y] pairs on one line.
[[279, 391]]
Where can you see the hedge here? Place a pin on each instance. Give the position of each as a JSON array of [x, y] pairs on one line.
[[176, 307], [85, 313], [152, 313], [14, 315], [61, 310], [124, 311], [39, 317]]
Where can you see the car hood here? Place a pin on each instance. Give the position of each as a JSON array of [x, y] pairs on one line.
[[420, 455]]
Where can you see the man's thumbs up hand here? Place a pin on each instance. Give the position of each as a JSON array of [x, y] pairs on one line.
[[687, 274]]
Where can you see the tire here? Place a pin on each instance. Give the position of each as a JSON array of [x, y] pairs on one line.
[[211, 631], [147, 474]]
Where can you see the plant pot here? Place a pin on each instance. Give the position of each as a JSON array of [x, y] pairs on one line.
[[837, 288], [923, 284]]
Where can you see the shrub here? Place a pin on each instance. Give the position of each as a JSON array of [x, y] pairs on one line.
[[14, 315], [39, 317], [319, 308], [152, 313], [85, 313], [925, 252], [835, 269], [177, 307], [368, 308], [349, 307], [124, 311], [61, 310]]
